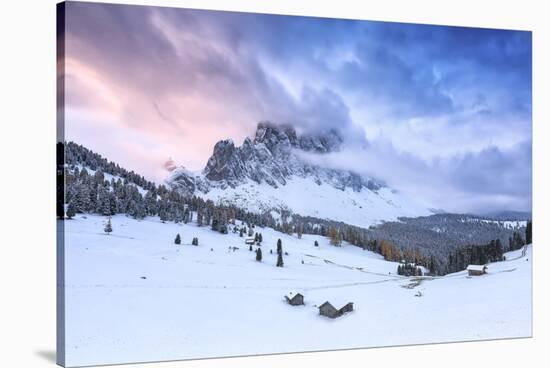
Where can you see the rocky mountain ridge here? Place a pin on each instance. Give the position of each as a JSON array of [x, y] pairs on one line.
[[270, 157]]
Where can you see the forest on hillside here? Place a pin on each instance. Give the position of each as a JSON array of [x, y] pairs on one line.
[[443, 243]]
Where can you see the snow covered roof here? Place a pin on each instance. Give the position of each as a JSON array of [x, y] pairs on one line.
[[476, 268], [292, 294]]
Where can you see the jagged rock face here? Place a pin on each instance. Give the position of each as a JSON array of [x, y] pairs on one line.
[[270, 157]]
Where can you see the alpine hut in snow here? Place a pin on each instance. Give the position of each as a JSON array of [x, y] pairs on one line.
[[294, 298], [328, 310], [250, 241], [476, 270]]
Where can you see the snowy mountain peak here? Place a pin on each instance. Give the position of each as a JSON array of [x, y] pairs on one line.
[[273, 135], [271, 158], [267, 172]]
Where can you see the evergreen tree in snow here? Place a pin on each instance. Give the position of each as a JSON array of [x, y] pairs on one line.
[[108, 227], [163, 216], [259, 254], [316, 243], [241, 232], [279, 246], [195, 241], [71, 210], [178, 239], [83, 197], [280, 262], [260, 238], [103, 203]]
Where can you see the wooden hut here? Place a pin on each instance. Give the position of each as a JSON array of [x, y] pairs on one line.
[[328, 310], [294, 298], [346, 308], [476, 270], [250, 241]]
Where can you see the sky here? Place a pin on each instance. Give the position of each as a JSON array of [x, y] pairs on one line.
[[440, 113]]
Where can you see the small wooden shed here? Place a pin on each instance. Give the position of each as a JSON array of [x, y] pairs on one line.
[[476, 270], [294, 298], [250, 241], [328, 310], [346, 308]]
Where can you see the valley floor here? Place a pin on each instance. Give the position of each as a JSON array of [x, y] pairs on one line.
[[136, 296]]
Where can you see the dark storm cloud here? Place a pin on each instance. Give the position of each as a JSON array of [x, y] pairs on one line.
[[452, 104]]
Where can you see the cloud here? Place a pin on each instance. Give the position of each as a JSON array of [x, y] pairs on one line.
[[491, 179], [429, 99]]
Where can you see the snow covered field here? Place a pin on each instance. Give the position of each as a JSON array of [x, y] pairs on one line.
[[136, 296]]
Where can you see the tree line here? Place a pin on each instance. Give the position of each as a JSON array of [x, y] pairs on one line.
[[88, 183]]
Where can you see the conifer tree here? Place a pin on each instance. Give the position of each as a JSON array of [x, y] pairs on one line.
[[71, 210], [316, 243], [279, 246], [108, 227], [259, 254], [280, 260], [178, 239]]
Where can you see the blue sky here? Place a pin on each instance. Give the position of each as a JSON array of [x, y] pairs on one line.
[[443, 113]]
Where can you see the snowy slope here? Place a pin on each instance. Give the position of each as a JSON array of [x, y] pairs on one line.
[[307, 198], [211, 301]]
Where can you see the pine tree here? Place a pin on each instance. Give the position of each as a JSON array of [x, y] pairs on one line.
[[498, 250], [259, 254], [529, 233], [279, 246], [195, 241], [71, 210], [103, 202], [280, 260], [316, 243], [178, 239], [108, 227], [260, 238], [241, 232]]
